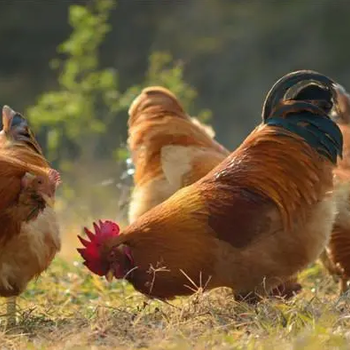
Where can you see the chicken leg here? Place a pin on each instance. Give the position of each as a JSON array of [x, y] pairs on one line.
[[11, 312]]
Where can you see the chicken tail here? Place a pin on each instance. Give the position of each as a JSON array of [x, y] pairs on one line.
[[154, 102], [311, 123], [16, 128], [306, 85]]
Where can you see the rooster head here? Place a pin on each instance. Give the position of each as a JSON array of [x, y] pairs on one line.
[[99, 256]]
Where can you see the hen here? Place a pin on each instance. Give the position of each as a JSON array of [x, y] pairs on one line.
[[336, 258], [169, 149], [27, 216], [254, 221]]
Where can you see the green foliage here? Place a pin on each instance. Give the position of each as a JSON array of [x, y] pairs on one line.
[[79, 123], [165, 72], [86, 98], [81, 114]]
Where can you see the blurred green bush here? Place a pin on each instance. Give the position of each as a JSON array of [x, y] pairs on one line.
[[78, 120]]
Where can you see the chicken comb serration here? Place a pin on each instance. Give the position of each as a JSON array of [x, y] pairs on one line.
[[55, 177], [91, 254]]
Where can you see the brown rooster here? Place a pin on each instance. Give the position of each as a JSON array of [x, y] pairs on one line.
[[169, 149], [254, 221], [27, 216], [336, 256]]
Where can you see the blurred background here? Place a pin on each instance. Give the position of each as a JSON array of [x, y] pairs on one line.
[[73, 67]]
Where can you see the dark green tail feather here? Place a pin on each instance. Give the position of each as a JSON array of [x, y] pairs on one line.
[[312, 124], [296, 82], [292, 109]]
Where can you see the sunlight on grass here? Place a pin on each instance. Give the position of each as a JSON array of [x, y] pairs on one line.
[[69, 308]]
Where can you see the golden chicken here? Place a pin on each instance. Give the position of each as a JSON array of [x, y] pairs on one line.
[[169, 149], [254, 221], [27, 216], [336, 258]]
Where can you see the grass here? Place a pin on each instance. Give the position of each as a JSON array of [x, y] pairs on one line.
[[68, 308]]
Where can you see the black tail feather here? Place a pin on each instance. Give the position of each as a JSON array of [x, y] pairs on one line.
[[16, 127], [310, 122], [301, 85]]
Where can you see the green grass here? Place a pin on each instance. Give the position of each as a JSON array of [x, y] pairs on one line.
[[68, 308]]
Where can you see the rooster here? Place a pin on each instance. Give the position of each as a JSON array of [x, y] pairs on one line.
[[27, 216], [169, 149], [254, 221], [336, 256]]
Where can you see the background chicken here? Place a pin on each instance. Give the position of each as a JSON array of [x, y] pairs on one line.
[[255, 220], [336, 258], [29, 233], [169, 149]]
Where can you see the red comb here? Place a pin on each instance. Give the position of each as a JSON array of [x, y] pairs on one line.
[[55, 177], [91, 252]]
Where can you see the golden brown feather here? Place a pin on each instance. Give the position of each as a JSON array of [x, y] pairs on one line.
[[157, 123], [29, 233], [254, 221], [336, 258], [168, 148]]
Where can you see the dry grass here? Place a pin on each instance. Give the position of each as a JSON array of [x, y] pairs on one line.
[[68, 308]]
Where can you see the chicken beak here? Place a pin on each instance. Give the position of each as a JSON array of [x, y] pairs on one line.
[[109, 275], [48, 200]]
